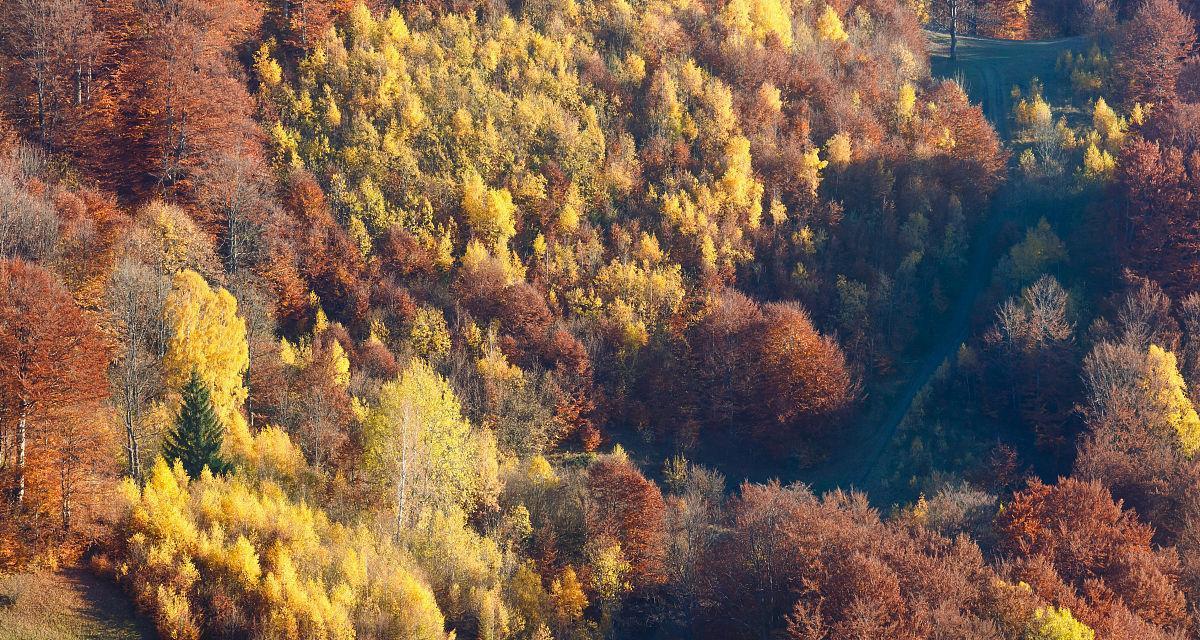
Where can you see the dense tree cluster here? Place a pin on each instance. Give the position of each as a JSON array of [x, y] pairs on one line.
[[324, 319]]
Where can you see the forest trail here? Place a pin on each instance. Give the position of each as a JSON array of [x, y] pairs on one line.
[[988, 70], [69, 604]]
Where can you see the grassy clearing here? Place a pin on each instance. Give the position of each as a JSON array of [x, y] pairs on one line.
[[989, 69], [66, 605]]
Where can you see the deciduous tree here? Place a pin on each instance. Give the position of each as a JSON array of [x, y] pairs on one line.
[[52, 359], [1151, 50]]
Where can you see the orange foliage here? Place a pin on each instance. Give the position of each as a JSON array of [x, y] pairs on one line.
[[55, 441]]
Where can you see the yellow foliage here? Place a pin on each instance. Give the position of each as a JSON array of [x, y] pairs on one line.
[[1168, 389], [539, 246], [528, 596], [1098, 164], [566, 592], [779, 214], [772, 17], [572, 207], [419, 447], [770, 98], [921, 8], [838, 150], [740, 193], [1055, 623], [736, 18], [340, 363], [610, 572], [1111, 126], [266, 68], [284, 566], [539, 470], [462, 566], [176, 242], [208, 336], [829, 26], [270, 453], [906, 101], [1031, 257], [649, 293], [1035, 112], [648, 250], [494, 366], [430, 337], [753, 21], [1138, 115], [809, 171]]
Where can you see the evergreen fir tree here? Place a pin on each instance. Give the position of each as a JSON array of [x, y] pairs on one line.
[[195, 441]]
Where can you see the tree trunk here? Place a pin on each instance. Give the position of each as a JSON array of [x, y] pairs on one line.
[[954, 30], [133, 449], [65, 486], [131, 393], [21, 438]]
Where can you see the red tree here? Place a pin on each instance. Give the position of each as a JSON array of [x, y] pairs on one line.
[[176, 99], [55, 47], [1151, 51], [52, 383], [1074, 532], [804, 373], [624, 506], [1158, 178]]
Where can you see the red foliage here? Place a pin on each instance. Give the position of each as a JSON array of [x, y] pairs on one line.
[[176, 99], [327, 259], [1158, 177], [1151, 49], [624, 506], [1094, 547], [52, 383], [401, 255], [805, 374], [830, 568]]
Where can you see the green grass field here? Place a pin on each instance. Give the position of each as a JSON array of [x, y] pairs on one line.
[[66, 605], [989, 69]]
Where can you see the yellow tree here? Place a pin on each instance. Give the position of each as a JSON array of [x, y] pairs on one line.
[[208, 337], [490, 212], [1168, 390], [829, 26], [1057, 624], [420, 447]]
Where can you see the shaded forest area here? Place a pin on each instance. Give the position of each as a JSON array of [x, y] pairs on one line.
[[324, 319]]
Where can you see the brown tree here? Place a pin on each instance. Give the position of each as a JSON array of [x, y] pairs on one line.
[[176, 100], [805, 376], [55, 47], [790, 564], [1158, 179], [52, 384], [1151, 50], [1095, 547], [623, 505]]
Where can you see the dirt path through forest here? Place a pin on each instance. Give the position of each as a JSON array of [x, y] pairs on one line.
[[988, 69]]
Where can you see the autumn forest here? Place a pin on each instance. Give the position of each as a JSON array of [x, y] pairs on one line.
[[592, 319]]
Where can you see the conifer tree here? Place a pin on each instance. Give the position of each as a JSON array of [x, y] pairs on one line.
[[195, 440]]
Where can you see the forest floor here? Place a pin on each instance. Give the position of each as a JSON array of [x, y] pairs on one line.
[[69, 604], [988, 70]]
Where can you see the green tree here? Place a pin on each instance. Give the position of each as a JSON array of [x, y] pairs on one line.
[[195, 440]]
